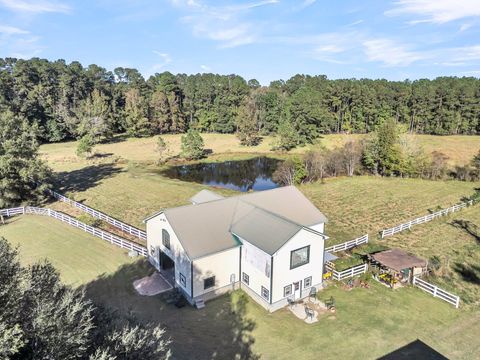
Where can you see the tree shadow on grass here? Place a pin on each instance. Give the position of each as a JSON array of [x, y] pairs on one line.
[[85, 178], [469, 227], [218, 331], [469, 273]]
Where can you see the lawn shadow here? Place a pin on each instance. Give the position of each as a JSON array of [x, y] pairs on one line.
[[84, 178], [218, 331], [469, 227], [469, 273], [415, 350]]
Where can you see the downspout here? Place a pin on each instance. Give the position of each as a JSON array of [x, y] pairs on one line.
[[271, 279], [191, 279]]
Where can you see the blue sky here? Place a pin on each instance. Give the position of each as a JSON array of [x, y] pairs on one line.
[[262, 39]]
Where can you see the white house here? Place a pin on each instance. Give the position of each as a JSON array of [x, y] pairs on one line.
[[269, 243]]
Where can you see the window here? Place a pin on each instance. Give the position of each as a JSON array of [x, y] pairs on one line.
[[245, 278], [183, 281], [265, 293], [307, 282], [209, 282], [299, 257], [152, 250], [287, 290], [165, 238]]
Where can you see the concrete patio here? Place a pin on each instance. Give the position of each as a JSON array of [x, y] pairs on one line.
[[152, 285], [298, 309]]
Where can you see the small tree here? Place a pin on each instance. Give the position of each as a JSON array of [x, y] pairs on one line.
[[192, 145], [85, 146], [351, 156], [247, 123], [161, 148], [316, 164], [290, 172], [287, 136]]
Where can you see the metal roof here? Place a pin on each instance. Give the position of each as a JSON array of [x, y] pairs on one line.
[[398, 260], [204, 196], [267, 219]]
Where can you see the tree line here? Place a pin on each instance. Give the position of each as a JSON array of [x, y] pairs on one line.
[[70, 101], [385, 152]]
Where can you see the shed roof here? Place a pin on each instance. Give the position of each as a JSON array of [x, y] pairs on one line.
[[398, 260], [267, 219], [204, 196]]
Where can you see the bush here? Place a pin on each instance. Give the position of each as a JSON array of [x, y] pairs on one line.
[[192, 145], [90, 220], [85, 146]]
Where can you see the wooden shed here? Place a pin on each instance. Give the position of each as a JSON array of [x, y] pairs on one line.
[[399, 265]]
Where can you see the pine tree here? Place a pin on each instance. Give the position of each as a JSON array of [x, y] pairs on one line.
[[247, 123], [23, 176], [160, 114], [192, 145], [287, 137], [136, 111], [95, 117]]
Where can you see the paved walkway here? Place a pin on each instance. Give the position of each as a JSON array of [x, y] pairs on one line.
[[152, 285]]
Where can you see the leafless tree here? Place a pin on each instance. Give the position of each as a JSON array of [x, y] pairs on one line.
[[351, 156]]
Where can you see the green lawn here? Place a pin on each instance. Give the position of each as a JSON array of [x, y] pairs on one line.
[[78, 256]]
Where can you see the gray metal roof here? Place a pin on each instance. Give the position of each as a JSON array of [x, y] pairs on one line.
[[204, 196], [267, 219]]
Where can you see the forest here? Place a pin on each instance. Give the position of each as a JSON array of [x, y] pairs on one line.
[[70, 101]]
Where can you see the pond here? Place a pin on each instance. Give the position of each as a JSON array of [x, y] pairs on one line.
[[241, 175]]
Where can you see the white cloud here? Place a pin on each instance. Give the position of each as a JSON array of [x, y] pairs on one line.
[[166, 59], [390, 53], [10, 30], [205, 68], [224, 24], [37, 6], [307, 3], [436, 11]]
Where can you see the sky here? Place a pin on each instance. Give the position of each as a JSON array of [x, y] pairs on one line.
[[262, 39]]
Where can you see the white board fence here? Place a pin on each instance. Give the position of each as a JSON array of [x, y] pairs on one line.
[[424, 219], [99, 215], [351, 272], [348, 245], [437, 292], [113, 239]]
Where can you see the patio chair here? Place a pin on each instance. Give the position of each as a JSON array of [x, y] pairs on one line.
[[330, 303], [313, 293], [309, 312], [291, 302]]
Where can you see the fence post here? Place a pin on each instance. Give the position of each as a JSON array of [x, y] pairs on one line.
[[457, 303], [435, 291]]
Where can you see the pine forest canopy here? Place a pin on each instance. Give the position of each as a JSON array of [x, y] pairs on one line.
[[70, 101]]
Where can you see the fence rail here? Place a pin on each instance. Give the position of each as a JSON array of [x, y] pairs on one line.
[[437, 292], [99, 215], [351, 272], [424, 219], [348, 245], [113, 239]]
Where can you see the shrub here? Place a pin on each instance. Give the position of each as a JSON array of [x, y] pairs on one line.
[[89, 220], [192, 145]]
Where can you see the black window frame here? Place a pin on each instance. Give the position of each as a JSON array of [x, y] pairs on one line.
[[152, 250], [285, 288], [305, 282], [245, 278], [263, 290], [183, 280], [209, 282], [301, 264], [166, 239]]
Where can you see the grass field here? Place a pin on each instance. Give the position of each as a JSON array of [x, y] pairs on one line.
[[368, 323], [80, 257], [460, 149]]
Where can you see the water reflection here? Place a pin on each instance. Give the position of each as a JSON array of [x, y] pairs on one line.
[[242, 175]]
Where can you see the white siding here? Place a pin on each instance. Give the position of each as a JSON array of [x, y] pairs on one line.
[[257, 274], [176, 252], [319, 227], [283, 275], [222, 265]]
